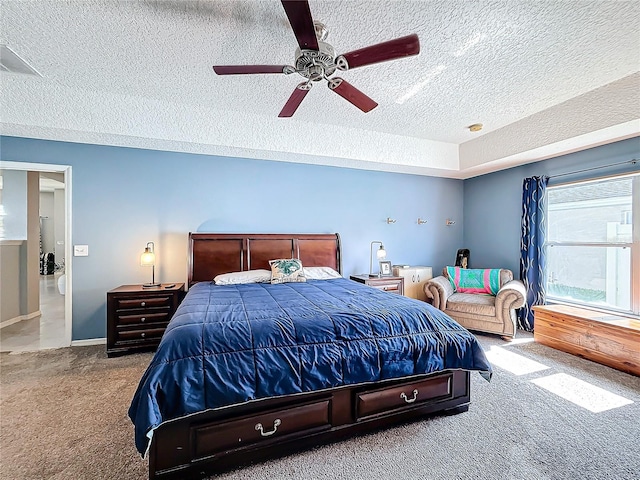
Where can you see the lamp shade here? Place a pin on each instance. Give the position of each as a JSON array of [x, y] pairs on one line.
[[148, 258], [381, 253]]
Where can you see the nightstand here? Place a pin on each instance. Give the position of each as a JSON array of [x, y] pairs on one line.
[[388, 284], [137, 316]]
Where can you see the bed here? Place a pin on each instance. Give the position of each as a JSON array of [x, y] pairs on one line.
[[248, 371]]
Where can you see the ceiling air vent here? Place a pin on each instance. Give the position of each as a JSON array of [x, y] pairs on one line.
[[11, 62]]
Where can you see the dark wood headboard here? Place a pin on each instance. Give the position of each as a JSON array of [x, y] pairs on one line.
[[211, 254]]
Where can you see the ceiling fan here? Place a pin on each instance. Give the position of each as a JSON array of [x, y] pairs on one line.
[[316, 60]]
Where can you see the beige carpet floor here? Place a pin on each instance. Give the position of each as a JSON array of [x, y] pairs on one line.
[[63, 415]]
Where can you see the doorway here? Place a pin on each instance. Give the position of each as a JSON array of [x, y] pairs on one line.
[[51, 325]]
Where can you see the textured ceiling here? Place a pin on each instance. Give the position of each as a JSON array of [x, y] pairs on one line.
[[543, 77]]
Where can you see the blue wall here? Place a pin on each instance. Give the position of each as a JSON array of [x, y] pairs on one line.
[[493, 202], [124, 197]]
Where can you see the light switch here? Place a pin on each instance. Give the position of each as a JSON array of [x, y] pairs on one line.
[[81, 250]]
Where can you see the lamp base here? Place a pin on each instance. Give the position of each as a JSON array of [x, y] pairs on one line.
[[151, 285]]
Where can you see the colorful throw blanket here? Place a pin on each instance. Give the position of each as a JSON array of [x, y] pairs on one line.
[[467, 280]]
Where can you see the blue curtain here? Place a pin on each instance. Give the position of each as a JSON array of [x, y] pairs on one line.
[[532, 253]]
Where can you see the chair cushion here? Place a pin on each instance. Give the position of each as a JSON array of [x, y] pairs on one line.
[[473, 303]]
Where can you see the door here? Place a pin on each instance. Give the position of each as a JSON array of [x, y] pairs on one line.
[[52, 292]]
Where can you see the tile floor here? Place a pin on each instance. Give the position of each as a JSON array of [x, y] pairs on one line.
[[39, 333]]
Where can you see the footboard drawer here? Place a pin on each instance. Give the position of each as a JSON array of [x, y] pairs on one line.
[[405, 395], [211, 439]]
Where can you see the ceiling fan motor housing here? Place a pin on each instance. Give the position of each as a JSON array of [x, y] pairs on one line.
[[316, 65]]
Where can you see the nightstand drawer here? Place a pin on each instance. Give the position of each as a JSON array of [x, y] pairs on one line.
[[143, 302], [144, 318], [393, 287], [387, 284], [147, 335]]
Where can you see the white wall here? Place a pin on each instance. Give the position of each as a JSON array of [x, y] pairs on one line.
[[47, 222], [14, 199]]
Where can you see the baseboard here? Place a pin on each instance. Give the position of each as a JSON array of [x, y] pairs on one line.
[[20, 318], [88, 342]]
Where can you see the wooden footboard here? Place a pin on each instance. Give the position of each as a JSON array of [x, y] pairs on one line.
[[215, 441]]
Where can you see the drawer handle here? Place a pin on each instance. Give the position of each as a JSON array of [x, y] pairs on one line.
[[410, 400], [143, 304], [413, 278], [142, 319], [418, 278], [142, 334], [276, 424]]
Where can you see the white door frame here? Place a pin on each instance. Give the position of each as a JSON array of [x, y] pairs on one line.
[[68, 251]]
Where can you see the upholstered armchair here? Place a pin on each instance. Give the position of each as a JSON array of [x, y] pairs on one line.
[[480, 312]]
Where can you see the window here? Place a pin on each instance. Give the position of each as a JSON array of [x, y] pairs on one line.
[[593, 246]]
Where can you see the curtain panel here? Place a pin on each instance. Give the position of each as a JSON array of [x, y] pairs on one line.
[[532, 252]]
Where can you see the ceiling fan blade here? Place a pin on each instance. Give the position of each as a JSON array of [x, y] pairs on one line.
[[295, 100], [243, 69], [381, 52], [352, 94], [299, 15]]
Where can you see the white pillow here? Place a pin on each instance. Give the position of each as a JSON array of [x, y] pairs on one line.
[[249, 276], [320, 273]]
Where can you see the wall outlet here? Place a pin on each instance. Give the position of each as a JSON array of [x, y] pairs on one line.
[[81, 250]]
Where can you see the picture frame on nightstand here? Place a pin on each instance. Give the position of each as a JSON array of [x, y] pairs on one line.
[[385, 269]]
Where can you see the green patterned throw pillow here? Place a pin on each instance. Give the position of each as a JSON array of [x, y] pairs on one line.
[[287, 270]]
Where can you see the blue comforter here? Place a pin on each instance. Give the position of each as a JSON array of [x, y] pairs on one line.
[[230, 344]]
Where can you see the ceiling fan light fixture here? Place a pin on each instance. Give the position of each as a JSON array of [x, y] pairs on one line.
[[321, 31], [316, 73]]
